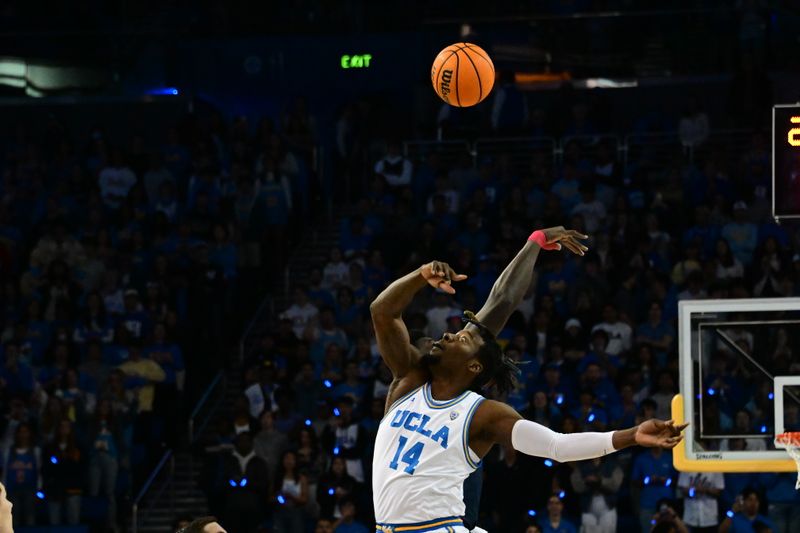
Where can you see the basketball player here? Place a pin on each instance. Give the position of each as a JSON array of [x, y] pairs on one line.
[[436, 429], [6, 522]]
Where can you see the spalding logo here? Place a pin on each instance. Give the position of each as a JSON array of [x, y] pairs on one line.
[[444, 88]]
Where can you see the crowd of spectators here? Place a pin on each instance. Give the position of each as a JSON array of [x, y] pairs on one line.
[[122, 262], [596, 339], [126, 264]]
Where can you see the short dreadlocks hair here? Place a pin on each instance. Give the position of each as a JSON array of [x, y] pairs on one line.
[[499, 371]]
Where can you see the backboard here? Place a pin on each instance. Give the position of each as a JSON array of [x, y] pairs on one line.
[[739, 384]]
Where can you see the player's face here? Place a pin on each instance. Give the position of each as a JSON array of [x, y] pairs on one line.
[[460, 346]]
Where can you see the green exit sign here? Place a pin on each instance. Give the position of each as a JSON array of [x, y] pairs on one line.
[[355, 61]]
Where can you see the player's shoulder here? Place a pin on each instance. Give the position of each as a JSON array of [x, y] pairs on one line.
[[490, 411]]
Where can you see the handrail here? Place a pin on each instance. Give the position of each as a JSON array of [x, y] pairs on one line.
[[145, 488], [201, 403]]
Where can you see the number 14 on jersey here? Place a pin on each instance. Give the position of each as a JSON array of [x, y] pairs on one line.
[[411, 457]]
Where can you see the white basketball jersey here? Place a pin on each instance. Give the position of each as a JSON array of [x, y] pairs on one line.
[[422, 458]]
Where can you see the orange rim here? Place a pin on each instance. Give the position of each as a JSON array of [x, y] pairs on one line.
[[791, 438]]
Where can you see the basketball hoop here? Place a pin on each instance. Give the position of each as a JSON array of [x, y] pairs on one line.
[[791, 442]]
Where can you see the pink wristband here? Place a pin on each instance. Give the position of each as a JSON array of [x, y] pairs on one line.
[[540, 238]]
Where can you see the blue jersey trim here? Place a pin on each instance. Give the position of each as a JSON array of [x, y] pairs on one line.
[[465, 433], [436, 404], [420, 527]]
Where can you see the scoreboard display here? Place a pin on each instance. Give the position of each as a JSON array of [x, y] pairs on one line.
[[786, 161]]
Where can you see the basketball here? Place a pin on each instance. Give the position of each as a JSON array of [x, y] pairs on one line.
[[462, 74]]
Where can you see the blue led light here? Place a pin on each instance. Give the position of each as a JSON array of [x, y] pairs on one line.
[[164, 91], [729, 514], [327, 383], [336, 411], [531, 513], [591, 418], [561, 495], [54, 459], [647, 480], [548, 463], [331, 492], [711, 392], [336, 451], [40, 495], [668, 482], [763, 429], [232, 483], [308, 421], [281, 499], [243, 482], [771, 396], [559, 399], [691, 492]]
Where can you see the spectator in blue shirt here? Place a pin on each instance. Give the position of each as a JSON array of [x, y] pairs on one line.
[[588, 414], [348, 523], [599, 356], [15, 375], [550, 383], [135, 320], [741, 234], [784, 500], [556, 281], [603, 389], [653, 475], [352, 385], [222, 252], [703, 233], [554, 522], [746, 517], [355, 237], [567, 189], [474, 237], [656, 333]]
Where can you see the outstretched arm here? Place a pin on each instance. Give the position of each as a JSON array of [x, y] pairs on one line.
[[394, 342], [498, 423], [512, 285]]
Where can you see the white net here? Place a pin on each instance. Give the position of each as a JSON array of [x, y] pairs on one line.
[[791, 442]]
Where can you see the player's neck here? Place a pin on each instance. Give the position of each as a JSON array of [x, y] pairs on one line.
[[446, 387]]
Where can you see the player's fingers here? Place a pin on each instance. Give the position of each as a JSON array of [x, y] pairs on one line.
[[681, 427], [459, 277], [571, 247], [577, 234], [446, 288], [580, 244], [581, 249]]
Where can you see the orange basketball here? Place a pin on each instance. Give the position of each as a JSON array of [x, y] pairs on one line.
[[462, 74]]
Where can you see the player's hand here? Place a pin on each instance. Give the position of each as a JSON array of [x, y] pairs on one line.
[[655, 433], [440, 276], [568, 238]]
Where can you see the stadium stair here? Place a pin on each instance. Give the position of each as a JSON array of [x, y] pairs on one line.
[[183, 497], [182, 494]]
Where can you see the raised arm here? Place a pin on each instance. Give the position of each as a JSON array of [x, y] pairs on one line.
[[498, 423], [512, 285], [394, 343]]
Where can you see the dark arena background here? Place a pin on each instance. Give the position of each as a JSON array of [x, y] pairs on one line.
[[199, 201]]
